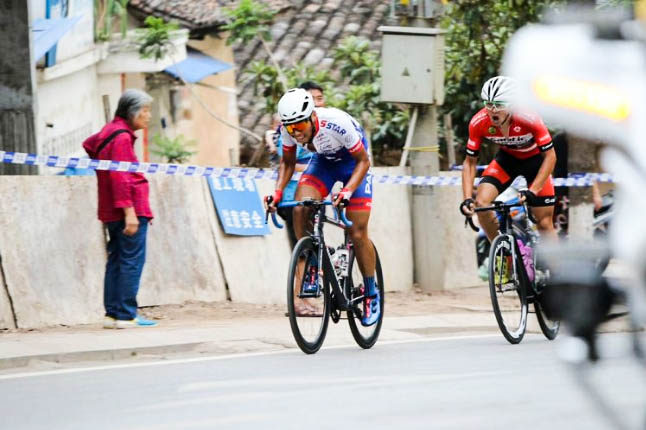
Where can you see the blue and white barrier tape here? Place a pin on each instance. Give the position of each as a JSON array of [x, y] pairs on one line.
[[578, 180]]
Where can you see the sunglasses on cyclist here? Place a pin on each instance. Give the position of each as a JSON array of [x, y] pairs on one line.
[[496, 105], [300, 126]]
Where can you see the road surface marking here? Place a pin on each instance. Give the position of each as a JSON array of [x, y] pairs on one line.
[[226, 357]]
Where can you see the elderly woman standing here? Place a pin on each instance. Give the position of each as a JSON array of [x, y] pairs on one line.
[[124, 208]]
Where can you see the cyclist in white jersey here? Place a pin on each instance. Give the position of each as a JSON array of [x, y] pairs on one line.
[[340, 154]]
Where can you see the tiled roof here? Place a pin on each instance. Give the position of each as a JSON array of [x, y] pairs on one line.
[[308, 30], [192, 14]]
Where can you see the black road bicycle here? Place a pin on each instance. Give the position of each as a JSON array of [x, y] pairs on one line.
[[515, 281], [328, 282]]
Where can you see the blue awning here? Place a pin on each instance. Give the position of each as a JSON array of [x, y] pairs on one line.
[[47, 32], [197, 66]]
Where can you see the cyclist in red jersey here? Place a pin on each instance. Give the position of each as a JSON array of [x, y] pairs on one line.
[[526, 149]]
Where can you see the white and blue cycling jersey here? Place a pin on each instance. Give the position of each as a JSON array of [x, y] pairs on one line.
[[336, 136]]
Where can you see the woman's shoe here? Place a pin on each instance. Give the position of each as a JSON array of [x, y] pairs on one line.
[[138, 322]]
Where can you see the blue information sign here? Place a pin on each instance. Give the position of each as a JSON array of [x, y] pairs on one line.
[[238, 205]]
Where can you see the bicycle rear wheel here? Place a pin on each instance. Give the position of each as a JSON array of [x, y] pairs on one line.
[[308, 298], [365, 337], [508, 296], [550, 328]]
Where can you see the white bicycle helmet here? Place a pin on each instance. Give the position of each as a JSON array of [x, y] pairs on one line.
[[498, 89], [295, 105]]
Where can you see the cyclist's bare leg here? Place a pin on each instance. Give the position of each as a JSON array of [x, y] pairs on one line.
[[544, 215], [302, 225], [487, 194], [301, 215], [363, 248]]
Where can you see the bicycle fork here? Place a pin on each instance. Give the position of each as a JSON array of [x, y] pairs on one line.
[[514, 248], [514, 274]]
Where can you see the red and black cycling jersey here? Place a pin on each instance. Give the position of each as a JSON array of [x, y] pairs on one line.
[[528, 135]]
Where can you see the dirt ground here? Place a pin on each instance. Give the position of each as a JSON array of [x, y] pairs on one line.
[[404, 303], [408, 303]]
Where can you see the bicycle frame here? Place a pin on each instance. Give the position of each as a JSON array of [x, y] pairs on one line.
[[319, 218], [505, 227]]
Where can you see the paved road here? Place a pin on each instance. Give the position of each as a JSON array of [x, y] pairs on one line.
[[477, 382]]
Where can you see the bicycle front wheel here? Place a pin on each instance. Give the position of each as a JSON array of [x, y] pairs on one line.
[[308, 298], [508, 295], [365, 337]]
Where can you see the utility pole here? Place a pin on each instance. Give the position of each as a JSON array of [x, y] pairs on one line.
[[581, 158], [17, 85], [428, 236]]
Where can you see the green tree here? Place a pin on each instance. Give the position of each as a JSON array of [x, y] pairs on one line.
[[266, 84], [106, 10], [477, 32], [358, 62], [154, 39], [251, 19], [172, 150], [357, 91]]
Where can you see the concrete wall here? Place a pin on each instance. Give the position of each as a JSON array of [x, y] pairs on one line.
[[458, 243], [255, 267], [391, 230], [182, 263], [52, 248], [6, 314]]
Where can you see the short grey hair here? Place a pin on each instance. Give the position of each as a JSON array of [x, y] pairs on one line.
[[131, 102]]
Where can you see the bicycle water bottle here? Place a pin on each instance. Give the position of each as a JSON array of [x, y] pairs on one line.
[[340, 261], [527, 253]]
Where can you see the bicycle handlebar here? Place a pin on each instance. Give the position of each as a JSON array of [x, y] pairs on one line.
[[497, 206], [500, 206], [274, 219], [469, 220], [314, 203]]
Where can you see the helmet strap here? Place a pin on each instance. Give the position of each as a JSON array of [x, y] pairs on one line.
[[314, 130]]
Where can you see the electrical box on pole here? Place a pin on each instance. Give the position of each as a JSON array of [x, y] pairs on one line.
[[412, 61]]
